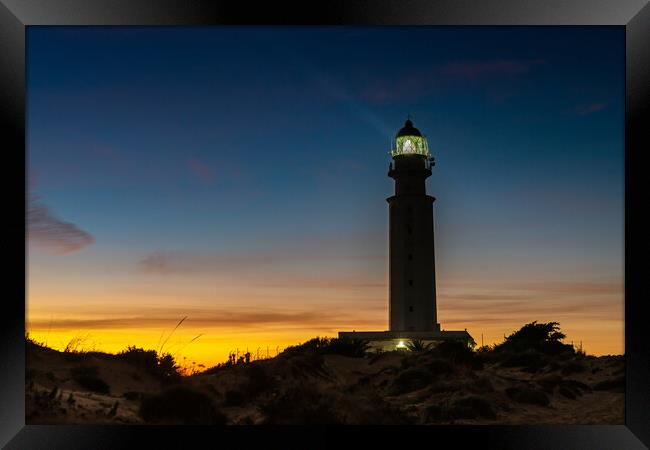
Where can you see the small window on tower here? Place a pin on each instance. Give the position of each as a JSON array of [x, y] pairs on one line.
[[410, 282], [408, 229], [410, 309], [410, 257]]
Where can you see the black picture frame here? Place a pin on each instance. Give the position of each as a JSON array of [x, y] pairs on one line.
[[16, 15]]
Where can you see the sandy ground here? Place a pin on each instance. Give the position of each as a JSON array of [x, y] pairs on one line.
[[52, 395]]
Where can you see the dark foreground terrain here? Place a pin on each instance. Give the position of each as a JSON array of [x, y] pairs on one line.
[[331, 382]]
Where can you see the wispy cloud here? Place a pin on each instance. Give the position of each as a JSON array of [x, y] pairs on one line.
[[244, 318], [51, 233], [583, 110], [344, 247], [425, 81]]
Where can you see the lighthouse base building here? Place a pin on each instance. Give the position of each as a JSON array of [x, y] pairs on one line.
[[412, 292]]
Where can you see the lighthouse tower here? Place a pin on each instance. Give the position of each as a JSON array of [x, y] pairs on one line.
[[412, 282], [412, 275]]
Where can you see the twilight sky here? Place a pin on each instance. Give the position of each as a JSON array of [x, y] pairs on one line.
[[237, 176]]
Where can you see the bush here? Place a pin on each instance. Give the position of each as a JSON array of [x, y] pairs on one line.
[[482, 384], [234, 397], [528, 395], [417, 345], [573, 367], [181, 405], [86, 377], [613, 384], [372, 409], [440, 366], [529, 360], [568, 388], [542, 337], [308, 363], [163, 367], [258, 380], [302, 404], [355, 348], [410, 380], [458, 353]]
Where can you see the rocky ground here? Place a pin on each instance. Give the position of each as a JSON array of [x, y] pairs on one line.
[[306, 386]]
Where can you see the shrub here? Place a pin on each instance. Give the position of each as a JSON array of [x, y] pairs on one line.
[[458, 353], [613, 384], [86, 377], [374, 410], [482, 384], [440, 366], [376, 356], [529, 360], [355, 348], [234, 397], [302, 404], [181, 405], [410, 380], [573, 367], [258, 380], [333, 346], [543, 337], [528, 395], [417, 345], [163, 367], [568, 388], [309, 363]]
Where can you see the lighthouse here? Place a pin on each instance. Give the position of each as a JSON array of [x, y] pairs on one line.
[[412, 276], [412, 308]]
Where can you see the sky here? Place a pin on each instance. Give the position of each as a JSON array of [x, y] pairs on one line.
[[237, 176]]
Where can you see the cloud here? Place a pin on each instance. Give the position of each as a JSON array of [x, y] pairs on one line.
[[51, 233], [201, 170], [243, 318], [591, 108], [174, 261], [426, 81], [366, 246]]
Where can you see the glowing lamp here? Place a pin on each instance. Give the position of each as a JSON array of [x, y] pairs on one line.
[[409, 141]]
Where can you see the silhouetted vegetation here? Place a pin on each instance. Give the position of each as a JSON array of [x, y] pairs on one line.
[[524, 394], [411, 379], [257, 381], [573, 367], [356, 348], [304, 404], [303, 385], [529, 360], [417, 345], [542, 337], [613, 384], [87, 377], [181, 405], [457, 352], [163, 367]]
